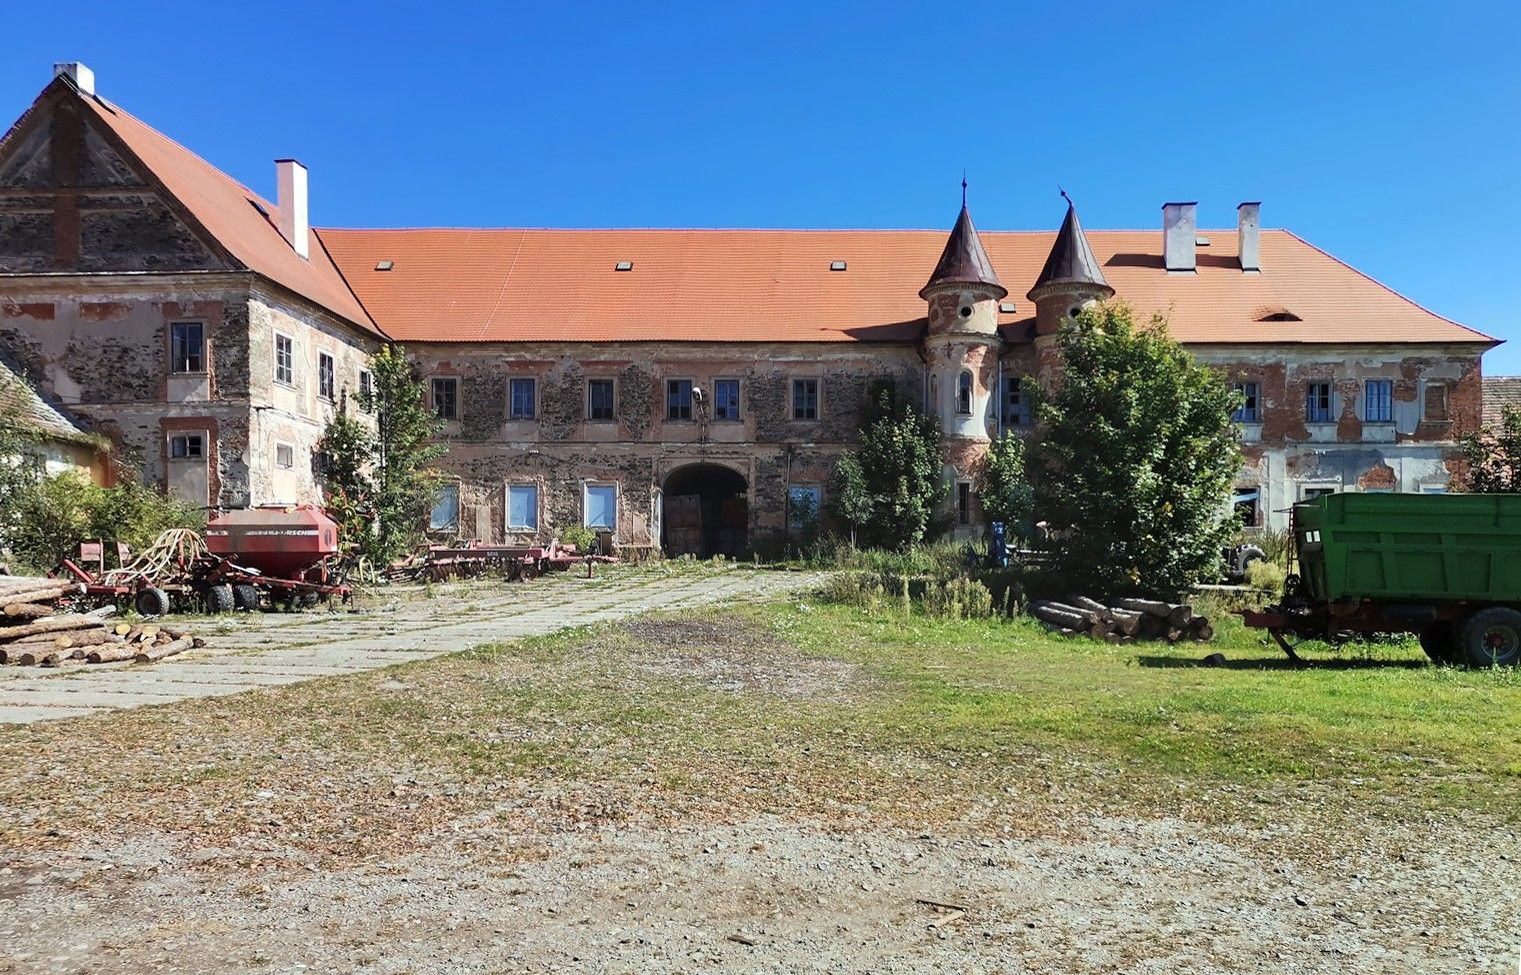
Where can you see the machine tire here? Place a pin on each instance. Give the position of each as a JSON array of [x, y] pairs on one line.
[[1492, 638], [1440, 641], [151, 602], [245, 596], [220, 599], [1245, 556], [310, 599]]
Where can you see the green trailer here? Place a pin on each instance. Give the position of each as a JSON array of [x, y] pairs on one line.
[[1446, 567]]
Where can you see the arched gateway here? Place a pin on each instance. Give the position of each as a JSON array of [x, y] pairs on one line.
[[705, 511]]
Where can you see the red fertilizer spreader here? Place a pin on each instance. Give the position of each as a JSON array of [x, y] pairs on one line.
[[285, 553]]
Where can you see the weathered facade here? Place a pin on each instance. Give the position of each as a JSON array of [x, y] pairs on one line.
[[685, 389]]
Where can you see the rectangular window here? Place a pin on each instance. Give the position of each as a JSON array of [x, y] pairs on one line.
[[327, 383], [187, 446], [963, 502], [1246, 506], [285, 455], [678, 399], [1016, 405], [1311, 493], [1317, 403], [445, 514], [1247, 412], [366, 391], [446, 398], [805, 399], [1436, 402], [523, 507], [188, 347], [522, 398], [600, 506], [803, 504], [599, 399], [726, 399], [285, 360], [1433, 489], [1378, 401]]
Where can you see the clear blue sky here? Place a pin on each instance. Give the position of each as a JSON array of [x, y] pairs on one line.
[[1387, 133]]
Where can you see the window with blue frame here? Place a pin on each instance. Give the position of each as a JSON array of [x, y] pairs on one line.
[[523, 399], [523, 507], [1249, 410], [600, 506], [445, 513], [1317, 403], [1378, 401], [726, 399], [1016, 405]]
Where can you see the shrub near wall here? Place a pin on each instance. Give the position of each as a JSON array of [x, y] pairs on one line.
[[51, 516]]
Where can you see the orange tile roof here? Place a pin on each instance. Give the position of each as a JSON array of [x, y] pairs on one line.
[[456, 285], [226, 209]]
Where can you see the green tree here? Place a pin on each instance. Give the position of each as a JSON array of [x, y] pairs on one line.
[[891, 483], [1136, 457], [1494, 458], [380, 485], [20, 462], [1003, 487]]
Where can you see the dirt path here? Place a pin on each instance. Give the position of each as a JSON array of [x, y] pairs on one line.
[[245, 653]]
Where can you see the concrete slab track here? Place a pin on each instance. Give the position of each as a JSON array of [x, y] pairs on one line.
[[249, 652]]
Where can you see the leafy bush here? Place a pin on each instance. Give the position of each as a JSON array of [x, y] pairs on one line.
[[1136, 459], [1266, 576], [1002, 487], [52, 515], [888, 489], [583, 538], [959, 597]]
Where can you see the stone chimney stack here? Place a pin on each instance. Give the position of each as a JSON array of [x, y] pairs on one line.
[[291, 201], [1180, 236], [1248, 223], [82, 76]]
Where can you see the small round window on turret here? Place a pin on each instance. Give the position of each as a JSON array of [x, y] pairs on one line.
[[1074, 311], [966, 311]]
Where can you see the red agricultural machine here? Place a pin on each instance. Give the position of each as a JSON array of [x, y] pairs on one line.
[[283, 557]]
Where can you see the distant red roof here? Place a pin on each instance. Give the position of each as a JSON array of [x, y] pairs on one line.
[[449, 285]]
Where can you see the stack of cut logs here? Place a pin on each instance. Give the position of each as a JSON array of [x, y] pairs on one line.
[[1122, 620], [35, 632]]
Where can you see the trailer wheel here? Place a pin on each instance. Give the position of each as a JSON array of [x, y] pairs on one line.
[[1492, 638], [1245, 556], [151, 602], [219, 599], [1440, 641], [310, 599], [245, 596]]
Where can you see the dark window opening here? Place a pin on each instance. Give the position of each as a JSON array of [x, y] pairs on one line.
[[446, 399], [599, 399], [963, 503], [678, 399], [964, 394], [187, 446], [726, 399], [1247, 412], [189, 347], [1318, 403], [523, 399], [805, 399], [327, 383]]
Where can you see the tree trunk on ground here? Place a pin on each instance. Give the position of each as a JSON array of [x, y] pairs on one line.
[[58, 625], [27, 610], [163, 650]]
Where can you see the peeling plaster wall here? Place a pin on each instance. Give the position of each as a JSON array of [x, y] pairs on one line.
[[561, 450], [295, 414], [101, 346]]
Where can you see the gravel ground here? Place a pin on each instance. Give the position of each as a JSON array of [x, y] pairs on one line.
[[768, 895]]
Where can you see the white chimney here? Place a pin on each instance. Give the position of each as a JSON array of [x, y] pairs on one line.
[[82, 76], [1180, 235], [1248, 223], [291, 202]]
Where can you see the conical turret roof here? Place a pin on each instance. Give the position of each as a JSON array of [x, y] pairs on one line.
[[964, 261], [1071, 260]]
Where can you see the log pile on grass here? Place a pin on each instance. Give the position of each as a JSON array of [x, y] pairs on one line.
[[36, 632], [1122, 620]]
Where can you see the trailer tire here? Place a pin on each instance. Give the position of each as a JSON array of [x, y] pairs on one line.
[[1492, 638], [310, 599], [220, 599], [151, 602], [1245, 556], [1440, 641], [245, 596]]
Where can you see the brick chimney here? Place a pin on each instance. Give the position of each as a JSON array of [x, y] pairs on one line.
[[1248, 223], [82, 76], [1180, 236], [290, 178]]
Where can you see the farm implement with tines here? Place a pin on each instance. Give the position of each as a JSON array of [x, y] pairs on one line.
[[515, 563], [279, 557]]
